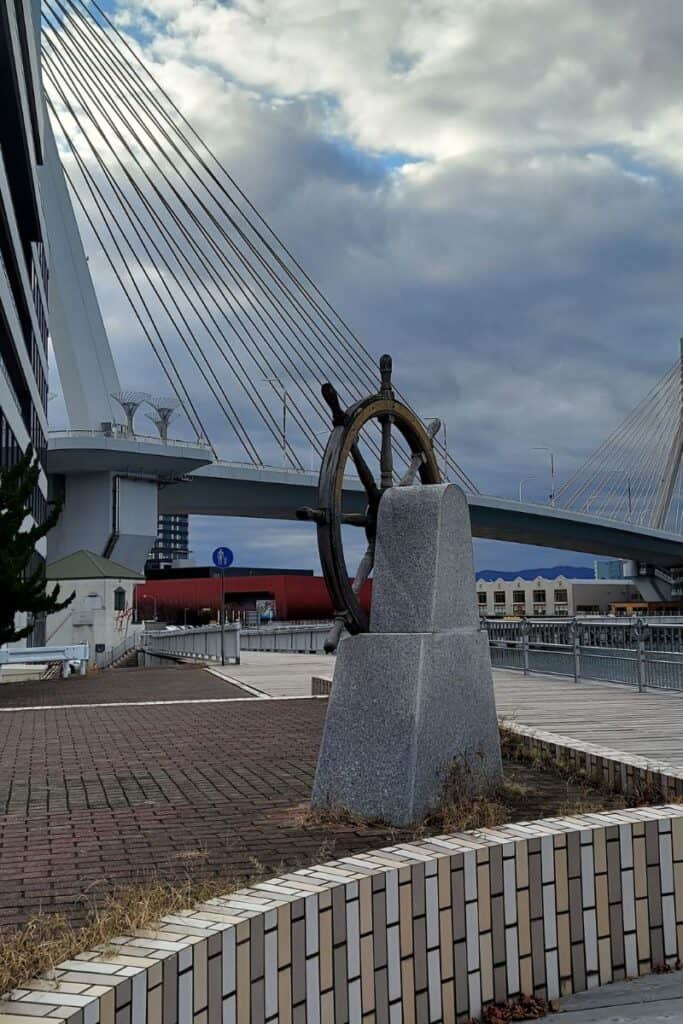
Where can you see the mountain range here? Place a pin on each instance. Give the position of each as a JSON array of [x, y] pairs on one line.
[[570, 572]]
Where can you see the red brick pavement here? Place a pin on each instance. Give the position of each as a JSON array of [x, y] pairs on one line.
[[177, 682], [97, 797]]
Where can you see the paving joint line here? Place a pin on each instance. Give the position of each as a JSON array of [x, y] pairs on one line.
[[153, 703], [258, 694]]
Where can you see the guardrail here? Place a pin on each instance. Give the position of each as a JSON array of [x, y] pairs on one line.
[[304, 639], [48, 655], [636, 652], [205, 643]]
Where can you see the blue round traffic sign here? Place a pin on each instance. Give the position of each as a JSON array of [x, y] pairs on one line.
[[223, 558]]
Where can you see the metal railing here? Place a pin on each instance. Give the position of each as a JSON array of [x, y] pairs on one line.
[[304, 639], [205, 643], [637, 652], [103, 659], [119, 433]]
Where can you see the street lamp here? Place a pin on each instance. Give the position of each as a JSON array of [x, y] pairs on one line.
[[427, 420], [523, 481], [544, 448], [317, 433], [276, 383]]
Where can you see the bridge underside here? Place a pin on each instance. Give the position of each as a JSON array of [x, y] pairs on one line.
[[276, 494], [233, 489]]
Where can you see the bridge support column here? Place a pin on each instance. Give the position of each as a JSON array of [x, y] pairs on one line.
[[110, 514]]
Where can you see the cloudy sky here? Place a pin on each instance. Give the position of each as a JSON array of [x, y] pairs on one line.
[[489, 189]]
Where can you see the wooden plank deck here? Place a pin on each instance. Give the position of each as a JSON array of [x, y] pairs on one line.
[[647, 724], [656, 999]]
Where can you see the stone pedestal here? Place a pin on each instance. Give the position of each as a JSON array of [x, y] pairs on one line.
[[413, 699]]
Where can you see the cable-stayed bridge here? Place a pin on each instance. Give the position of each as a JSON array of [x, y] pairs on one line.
[[244, 338]]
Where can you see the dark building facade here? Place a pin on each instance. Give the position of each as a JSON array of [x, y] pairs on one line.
[[172, 543], [23, 250]]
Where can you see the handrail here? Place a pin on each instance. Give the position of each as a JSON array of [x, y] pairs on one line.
[[118, 435]]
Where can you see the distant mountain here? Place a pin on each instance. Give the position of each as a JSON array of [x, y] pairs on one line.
[[570, 572]]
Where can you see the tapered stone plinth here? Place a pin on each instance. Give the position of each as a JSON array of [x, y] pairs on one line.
[[412, 700]]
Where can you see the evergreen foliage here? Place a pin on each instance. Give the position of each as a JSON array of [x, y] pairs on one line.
[[23, 588]]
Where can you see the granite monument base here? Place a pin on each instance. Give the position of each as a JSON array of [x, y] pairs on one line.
[[404, 713], [412, 701]]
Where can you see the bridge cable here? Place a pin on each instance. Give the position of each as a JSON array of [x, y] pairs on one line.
[[167, 237], [94, 188], [105, 36], [185, 181]]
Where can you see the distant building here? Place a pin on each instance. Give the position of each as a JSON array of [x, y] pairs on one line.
[[194, 595], [23, 254], [609, 570], [557, 597], [172, 543], [101, 614]]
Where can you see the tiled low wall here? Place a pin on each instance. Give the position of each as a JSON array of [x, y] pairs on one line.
[[320, 686], [634, 776], [420, 932]]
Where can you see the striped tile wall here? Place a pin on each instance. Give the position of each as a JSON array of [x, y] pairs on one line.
[[424, 932]]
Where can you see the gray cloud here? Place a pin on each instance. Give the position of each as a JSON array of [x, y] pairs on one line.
[[490, 191]]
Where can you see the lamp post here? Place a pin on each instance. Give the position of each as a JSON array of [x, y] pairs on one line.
[[523, 481], [317, 433], [545, 448], [427, 420], [276, 383]]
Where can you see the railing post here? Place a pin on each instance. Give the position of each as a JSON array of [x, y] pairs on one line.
[[639, 633], [525, 629], [576, 642]]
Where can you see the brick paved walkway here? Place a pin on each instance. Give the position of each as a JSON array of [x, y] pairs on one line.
[[94, 797], [177, 682]]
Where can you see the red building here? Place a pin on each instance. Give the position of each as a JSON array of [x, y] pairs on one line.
[[192, 595]]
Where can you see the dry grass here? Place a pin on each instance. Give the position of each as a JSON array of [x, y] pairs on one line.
[[48, 939], [595, 785], [525, 1008]]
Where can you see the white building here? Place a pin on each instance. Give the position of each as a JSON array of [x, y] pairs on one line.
[[101, 614], [558, 597]]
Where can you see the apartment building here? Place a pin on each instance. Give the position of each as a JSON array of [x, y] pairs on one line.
[[173, 541], [23, 251]]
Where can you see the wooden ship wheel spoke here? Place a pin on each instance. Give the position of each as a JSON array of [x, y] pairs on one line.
[[344, 444]]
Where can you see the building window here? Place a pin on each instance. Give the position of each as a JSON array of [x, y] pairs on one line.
[[481, 597], [119, 599], [561, 596], [499, 597], [561, 611], [518, 596], [539, 596]]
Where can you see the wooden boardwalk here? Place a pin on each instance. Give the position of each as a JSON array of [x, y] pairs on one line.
[[648, 724], [655, 999]]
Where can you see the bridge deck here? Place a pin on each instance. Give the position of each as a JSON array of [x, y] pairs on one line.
[[647, 724]]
